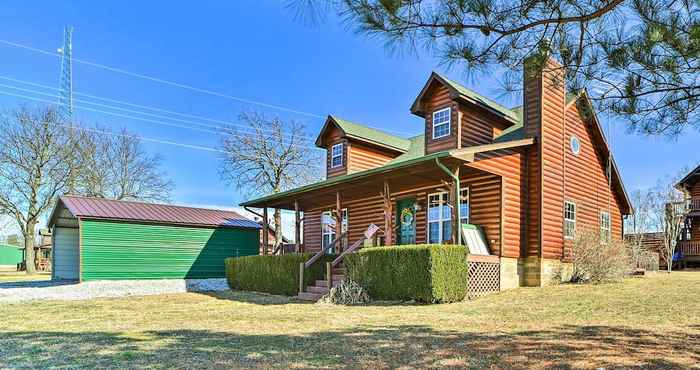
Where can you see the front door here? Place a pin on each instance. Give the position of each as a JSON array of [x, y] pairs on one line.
[[406, 220]]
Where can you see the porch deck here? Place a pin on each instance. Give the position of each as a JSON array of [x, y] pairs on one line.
[[690, 250]]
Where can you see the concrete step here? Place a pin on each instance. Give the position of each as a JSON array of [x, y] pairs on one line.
[[308, 296], [339, 270], [317, 289], [338, 277]]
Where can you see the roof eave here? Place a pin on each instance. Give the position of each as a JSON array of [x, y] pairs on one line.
[[341, 179], [584, 95], [488, 108], [465, 155]]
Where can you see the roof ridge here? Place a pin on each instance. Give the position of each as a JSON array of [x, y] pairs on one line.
[[147, 203], [336, 117]]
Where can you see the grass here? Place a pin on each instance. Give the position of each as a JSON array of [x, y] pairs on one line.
[[651, 322]]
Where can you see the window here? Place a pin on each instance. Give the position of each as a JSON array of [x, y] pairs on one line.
[[575, 145], [337, 155], [441, 123], [569, 220], [464, 206], [686, 232], [440, 215], [605, 227], [328, 223]]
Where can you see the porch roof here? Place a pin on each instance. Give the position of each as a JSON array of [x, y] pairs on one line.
[[405, 169]]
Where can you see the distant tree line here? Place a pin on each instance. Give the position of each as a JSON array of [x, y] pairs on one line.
[[43, 156]]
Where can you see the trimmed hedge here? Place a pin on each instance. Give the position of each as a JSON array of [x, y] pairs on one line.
[[426, 273], [272, 274]]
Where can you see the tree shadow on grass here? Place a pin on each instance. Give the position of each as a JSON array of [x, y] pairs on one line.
[[271, 299], [253, 297], [565, 347]]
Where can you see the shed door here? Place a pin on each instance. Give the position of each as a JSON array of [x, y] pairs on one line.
[[66, 258]]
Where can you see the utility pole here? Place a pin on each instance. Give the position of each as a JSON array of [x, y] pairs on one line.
[[65, 84]]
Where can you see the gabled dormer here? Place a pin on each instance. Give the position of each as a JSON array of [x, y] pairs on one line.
[[352, 147], [456, 117]]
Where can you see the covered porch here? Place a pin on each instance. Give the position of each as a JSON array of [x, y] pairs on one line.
[[421, 201]]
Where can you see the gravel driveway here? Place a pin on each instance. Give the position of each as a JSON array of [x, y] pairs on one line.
[[13, 292]]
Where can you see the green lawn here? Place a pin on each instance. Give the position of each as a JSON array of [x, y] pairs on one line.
[[651, 322]]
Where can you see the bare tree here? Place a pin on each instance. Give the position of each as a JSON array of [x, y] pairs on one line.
[[116, 166], [270, 157], [36, 160], [669, 209], [639, 223]]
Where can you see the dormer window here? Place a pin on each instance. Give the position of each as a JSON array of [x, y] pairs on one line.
[[337, 155], [441, 123]]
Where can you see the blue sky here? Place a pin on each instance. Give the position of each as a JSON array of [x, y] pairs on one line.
[[254, 50]]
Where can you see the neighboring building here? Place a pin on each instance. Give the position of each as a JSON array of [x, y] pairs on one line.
[[530, 176], [98, 239], [689, 243], [10, 257]]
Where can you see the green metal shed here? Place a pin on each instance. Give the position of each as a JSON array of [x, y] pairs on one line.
[[100, 239], [10, 256]]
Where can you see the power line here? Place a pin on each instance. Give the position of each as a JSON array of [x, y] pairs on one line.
[[183, 85], [158, 141], [128, 116], [167, 82], [226, 124]]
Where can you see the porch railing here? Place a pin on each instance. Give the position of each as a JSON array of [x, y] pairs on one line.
[[695, 204], [368, 234], [688, 248], [305, 265]]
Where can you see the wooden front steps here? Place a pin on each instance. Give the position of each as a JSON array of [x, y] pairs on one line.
[[321, 287]]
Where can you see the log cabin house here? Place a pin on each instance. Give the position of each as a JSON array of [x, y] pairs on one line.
[[688, 247], [528, 176]]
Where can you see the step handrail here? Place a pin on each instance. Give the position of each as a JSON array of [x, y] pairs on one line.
[[369, 233], [322, 252]]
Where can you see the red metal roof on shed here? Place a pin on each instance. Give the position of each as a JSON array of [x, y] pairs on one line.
[[151, 212]]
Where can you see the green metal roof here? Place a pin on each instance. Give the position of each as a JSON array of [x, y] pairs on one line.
[[404, 160], [480, 98], [367, 134]]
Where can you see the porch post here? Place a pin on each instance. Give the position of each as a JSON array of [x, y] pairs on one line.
[[456, 187], [338, 222], [297, 228], [457, 212], [388, 211], [265, 231]]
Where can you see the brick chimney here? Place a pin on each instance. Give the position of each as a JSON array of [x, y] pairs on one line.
[[543, 119]]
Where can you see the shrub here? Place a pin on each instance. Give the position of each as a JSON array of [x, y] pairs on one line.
[[598, 262], [272, 274], [426, 273], [347, 292]]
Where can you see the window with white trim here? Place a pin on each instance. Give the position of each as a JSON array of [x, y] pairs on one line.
[[464, 206], [440, 216], [337, 155], [442, 122], [604, 227], [569, 220], [328, 222]]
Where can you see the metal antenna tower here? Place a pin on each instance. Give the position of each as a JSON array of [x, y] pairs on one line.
[[65, 84]]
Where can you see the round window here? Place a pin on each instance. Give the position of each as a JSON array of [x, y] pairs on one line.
[[575, 145]]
